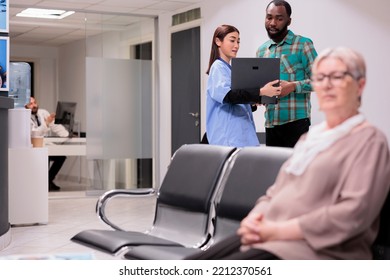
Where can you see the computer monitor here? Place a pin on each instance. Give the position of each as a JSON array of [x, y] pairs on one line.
[[65, 115]]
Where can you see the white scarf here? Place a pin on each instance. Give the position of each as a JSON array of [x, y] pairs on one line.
[[318, 139]]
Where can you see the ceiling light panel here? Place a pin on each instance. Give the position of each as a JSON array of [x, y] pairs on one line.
[[44, 13]]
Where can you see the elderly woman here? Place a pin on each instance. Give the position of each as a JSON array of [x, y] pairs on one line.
[[326, 200]]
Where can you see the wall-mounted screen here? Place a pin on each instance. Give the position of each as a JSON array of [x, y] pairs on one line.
[[4, 62], [4, 16]]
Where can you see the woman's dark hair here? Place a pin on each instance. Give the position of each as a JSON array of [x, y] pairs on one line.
[[281, 3], [219, 33]]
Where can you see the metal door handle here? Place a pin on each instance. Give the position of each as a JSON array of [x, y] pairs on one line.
[[195, 115]]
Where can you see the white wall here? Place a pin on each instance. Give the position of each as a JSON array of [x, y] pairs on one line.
[[59, 74], [71, 78], [360, 24]]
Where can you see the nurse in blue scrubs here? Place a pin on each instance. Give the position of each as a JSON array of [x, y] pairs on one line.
[[229, 119]]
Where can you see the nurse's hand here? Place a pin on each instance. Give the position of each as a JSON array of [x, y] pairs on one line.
[[271, 89]]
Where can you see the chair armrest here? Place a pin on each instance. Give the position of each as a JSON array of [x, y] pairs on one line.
[[106, 197]]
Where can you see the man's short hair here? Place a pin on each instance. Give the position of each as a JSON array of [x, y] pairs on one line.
[[281, 3]]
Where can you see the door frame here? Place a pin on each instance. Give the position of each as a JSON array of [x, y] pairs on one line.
[[178, 28]]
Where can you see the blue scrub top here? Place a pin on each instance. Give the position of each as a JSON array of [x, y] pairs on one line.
[[227, 124]]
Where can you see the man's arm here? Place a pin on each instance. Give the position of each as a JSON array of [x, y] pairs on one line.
[[59, 130], [308, 56]]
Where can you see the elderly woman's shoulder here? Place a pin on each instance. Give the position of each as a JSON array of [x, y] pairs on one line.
[[371, 132]]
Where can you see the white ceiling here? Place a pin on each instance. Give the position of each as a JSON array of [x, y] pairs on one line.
[[114, 13]]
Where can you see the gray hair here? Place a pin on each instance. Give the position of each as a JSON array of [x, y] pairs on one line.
[[351, 58]]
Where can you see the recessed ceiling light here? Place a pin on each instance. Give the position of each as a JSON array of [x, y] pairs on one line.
[[44, 13]]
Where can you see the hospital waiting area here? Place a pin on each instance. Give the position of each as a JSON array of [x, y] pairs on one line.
[[96, 69], [119, 170]]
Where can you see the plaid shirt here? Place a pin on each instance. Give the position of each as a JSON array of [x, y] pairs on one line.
[[296, 54]]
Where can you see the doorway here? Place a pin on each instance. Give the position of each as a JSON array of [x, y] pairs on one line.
[[185, 69]]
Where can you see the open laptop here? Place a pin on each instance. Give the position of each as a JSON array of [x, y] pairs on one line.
[[255, 72]]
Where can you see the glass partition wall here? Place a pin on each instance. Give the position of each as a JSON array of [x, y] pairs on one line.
[[104, 62], [120, 86]]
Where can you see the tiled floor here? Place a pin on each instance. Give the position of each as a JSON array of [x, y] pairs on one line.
[[71, 212]]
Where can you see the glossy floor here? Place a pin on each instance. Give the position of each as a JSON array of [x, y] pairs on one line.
[[69, 213]]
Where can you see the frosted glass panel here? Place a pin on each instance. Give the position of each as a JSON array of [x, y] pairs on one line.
[[119, 111]]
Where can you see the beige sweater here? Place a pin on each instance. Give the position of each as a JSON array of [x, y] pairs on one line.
[[337, 199]]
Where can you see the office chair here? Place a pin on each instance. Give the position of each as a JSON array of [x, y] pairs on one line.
[[183, 205]]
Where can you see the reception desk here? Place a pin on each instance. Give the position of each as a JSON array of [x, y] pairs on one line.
[[28, 186], [63, 146]]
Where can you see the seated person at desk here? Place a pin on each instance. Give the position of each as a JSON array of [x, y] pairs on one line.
[[326, 200], [43, 123]]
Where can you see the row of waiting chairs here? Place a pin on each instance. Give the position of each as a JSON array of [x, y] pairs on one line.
[[206, 192]]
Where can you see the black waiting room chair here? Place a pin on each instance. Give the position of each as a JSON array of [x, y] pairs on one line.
[[250, 172], [183, 204]]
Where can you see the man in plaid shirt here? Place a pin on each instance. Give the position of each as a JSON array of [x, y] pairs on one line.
[[287, 120]]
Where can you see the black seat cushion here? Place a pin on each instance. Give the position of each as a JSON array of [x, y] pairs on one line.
[[159, 253], [112, 241]]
